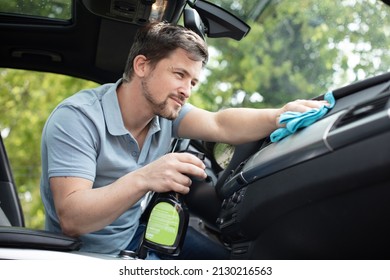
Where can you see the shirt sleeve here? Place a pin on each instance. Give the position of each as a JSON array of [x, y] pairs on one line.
[[72, 144], [176, 123]]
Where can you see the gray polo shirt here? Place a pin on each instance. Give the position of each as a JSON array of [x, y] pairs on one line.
[[85, 137]]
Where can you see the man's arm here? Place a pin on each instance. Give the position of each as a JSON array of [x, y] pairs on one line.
[[238, 125], [82, 209]]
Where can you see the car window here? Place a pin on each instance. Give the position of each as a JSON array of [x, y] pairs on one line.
[[54, 9]]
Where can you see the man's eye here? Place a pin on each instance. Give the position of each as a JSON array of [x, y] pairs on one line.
[[179, 74]]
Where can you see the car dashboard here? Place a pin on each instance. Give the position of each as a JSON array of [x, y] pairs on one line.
[[321, 193]]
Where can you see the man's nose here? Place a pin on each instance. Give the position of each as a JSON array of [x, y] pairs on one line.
[[186, 90]]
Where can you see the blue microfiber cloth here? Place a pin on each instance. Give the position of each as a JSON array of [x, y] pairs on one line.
[[296, 120]]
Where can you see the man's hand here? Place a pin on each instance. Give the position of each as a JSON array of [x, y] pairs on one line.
[[172, 172], [300, 105]]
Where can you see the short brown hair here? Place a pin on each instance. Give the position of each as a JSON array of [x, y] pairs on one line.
[[157, 41]]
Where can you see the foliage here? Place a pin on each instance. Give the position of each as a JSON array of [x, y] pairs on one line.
[[28, 98], [296, 51], [59, 9]]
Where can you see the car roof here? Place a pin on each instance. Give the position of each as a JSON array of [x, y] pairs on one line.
[[94, 43]]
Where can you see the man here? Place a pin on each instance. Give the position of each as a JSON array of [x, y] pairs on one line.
[[103, 149]]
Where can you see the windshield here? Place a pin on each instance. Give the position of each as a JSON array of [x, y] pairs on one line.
[[297, 50]]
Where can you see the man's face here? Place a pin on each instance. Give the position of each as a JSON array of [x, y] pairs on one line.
[[168, 86]]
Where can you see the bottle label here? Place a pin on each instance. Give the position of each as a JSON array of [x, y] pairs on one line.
[[163, 224]]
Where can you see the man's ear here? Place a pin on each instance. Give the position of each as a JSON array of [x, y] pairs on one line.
[[140, 65]]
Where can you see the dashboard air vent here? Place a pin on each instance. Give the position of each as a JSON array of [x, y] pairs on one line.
[[363, 110]]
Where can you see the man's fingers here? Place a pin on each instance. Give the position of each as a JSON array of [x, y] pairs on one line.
[[190, 165], [302, 105], [189, 158]]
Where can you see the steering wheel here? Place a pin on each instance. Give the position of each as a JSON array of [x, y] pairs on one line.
[[241, 154]]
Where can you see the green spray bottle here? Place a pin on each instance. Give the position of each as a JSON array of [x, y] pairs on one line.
[[167, 222]]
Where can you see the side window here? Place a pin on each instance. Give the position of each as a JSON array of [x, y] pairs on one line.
[[26, 99]]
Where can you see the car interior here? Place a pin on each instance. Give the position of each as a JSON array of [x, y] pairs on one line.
[[321, 193]]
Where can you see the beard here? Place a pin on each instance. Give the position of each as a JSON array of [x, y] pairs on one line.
[[160, 108]]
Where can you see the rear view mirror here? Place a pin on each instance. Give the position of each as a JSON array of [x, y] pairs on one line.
[[213, 21]]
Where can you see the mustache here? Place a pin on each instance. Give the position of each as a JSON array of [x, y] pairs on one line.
[[179, 97]]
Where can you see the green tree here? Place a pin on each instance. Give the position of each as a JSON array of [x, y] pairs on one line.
[[28, 98], [296, 51], [59, 9]]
